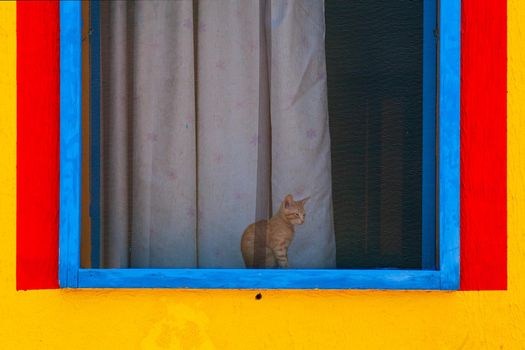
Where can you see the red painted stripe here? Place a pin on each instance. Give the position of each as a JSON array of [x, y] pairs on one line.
[[38, 144], [484, 145]]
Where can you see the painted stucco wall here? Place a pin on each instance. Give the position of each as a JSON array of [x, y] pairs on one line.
[[129, 319]]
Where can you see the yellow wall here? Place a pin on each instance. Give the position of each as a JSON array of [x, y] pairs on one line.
[[130, 319]]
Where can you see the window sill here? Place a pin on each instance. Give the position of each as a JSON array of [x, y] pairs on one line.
[[261, 279]]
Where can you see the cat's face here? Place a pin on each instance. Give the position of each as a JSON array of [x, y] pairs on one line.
[[294, 210]]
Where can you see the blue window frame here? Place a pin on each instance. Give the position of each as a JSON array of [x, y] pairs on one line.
[[444, 276]]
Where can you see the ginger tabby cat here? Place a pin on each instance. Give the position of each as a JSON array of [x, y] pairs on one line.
[[279, 234]]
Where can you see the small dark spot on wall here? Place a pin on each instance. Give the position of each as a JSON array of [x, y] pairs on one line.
[[258, 296]]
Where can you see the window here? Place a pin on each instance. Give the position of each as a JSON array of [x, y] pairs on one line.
[[348, 121]]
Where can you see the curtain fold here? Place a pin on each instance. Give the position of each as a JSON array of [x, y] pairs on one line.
[[212, 111]]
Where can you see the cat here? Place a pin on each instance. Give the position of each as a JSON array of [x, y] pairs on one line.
[[279, 231]]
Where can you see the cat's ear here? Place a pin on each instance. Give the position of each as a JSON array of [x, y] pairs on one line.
[[303, 201], [288, 201]]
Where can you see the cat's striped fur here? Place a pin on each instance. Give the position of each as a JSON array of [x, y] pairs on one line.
[[279, 231]]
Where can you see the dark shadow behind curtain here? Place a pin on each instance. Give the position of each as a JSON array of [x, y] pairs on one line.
[[374, 64]]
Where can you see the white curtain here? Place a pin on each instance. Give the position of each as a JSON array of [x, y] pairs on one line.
[[212, 111]]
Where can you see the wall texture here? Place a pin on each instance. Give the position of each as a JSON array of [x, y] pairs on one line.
[[130, 319]]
